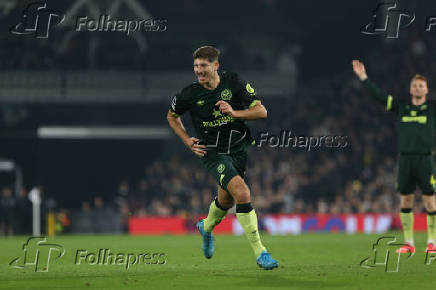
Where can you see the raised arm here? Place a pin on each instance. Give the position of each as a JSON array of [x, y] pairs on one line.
[[374, 90]]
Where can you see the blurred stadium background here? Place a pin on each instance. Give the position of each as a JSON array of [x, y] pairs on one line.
[[82, 116]]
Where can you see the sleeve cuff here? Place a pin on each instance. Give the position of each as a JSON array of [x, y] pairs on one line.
[[389, 103], [253, 103], [366, 83]]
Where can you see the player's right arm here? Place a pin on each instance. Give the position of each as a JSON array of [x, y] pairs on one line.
[[178, 107], [375, 91]]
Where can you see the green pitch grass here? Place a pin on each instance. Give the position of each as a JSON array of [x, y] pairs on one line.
[[309, 261]]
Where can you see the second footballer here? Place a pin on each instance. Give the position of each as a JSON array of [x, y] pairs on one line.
[[416, 119]]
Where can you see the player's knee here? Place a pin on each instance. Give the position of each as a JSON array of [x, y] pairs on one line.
[[243, 196], [406, 204], [406, 201], [430, 203], [225, 199], [239, 190]]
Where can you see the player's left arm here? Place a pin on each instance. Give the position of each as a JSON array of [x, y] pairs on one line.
[[254, 112], [251, 107]]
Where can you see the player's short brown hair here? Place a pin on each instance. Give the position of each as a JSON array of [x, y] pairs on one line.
[[420, 77], [207, 52]]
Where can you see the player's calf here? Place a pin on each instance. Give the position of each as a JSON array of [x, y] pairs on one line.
[[430, 206], [248, 220], [216, 214]]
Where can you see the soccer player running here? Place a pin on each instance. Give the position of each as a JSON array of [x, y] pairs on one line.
[[219, 103], [416, 142]]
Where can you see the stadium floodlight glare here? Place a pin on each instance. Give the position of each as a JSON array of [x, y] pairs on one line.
[[10, 166], [87, 132], [35, 198], [6, 165]]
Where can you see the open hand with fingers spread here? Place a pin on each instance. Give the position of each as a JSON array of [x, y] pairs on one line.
[[198, 149], [359, 70]]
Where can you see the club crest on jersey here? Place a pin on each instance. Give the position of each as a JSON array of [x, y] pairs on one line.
[[226, 94], [250, 90], [200, 102], [221, 168]]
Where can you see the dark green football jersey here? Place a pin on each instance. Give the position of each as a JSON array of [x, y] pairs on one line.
[[415, 123], [218, 131]]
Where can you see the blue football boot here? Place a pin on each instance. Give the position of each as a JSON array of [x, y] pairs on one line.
[[208, 246]]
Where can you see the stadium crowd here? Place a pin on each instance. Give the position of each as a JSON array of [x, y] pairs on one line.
[[12, 207], [359, 178], [156, 50]]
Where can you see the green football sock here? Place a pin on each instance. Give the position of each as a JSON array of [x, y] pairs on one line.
[[248, 222], [214, 217], [407, 222], [431, 227]]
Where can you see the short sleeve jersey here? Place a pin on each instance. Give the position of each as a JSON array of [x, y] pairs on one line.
[[216, 130]]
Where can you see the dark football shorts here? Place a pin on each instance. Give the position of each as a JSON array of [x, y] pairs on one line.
[[416, 169], [223, 167]]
